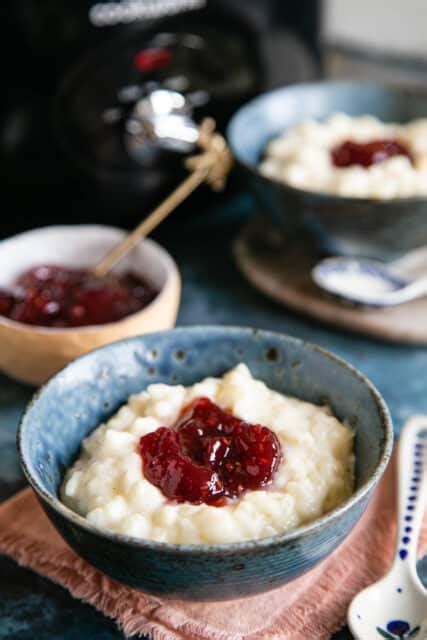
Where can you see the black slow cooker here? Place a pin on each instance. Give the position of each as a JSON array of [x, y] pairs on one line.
[[76, 73]]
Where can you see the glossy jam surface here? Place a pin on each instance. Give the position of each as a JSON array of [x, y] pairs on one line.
[[366, 154], [55, 296], [209, 455]]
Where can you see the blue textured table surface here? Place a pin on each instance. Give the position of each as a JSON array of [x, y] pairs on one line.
[[32, 608]]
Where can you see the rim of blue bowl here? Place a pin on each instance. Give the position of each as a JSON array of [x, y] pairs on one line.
[[321, 195], [220, 548]]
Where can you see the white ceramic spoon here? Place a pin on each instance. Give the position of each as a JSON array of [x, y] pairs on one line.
[[375, 283], [396, 606]]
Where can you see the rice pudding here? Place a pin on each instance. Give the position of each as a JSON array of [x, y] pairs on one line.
[[359, 157], [296, 463]]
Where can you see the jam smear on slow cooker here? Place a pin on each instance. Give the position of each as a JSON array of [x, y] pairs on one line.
[[56, 296], [209, 455], [366, 154]]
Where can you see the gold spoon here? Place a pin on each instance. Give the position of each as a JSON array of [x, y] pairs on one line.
[[211, 166]]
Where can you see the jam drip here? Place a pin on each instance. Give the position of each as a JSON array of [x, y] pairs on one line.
[[55, 296], [209, 455], [366, 154]]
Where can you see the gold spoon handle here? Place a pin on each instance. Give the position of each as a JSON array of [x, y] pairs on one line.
[[151, 222], [212, 165]]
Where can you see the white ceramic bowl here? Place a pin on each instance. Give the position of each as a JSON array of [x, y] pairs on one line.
[[32, 354]]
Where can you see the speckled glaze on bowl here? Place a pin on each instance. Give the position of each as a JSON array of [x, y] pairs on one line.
[[343, 225], [91, 388]]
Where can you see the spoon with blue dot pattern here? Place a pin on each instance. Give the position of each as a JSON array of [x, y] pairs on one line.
[[372, 282], [395, 607]]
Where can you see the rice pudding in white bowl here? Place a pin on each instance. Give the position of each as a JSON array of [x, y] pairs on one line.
[[309, 473]]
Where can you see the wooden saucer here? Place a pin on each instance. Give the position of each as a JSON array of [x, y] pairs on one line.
[[281, 269]]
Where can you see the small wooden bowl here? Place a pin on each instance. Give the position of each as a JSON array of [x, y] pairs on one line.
[[33, 354]]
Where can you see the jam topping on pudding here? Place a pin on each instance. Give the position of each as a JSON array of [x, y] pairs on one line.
[[172, 466], [367, 153], [209, 455], [56, 296]]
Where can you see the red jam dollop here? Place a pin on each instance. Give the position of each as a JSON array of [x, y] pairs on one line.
[[209, 455], [366, 154], [55, 296]]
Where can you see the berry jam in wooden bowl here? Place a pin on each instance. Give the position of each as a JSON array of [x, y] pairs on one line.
[[57, 296], [52, 310]]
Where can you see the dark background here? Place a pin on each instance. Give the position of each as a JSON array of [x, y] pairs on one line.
[[43, 41]]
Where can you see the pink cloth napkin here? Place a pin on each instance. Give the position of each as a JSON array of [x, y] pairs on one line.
[[313, 606]]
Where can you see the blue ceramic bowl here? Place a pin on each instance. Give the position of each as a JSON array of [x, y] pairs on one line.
[[352, 226], [88, 390]]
